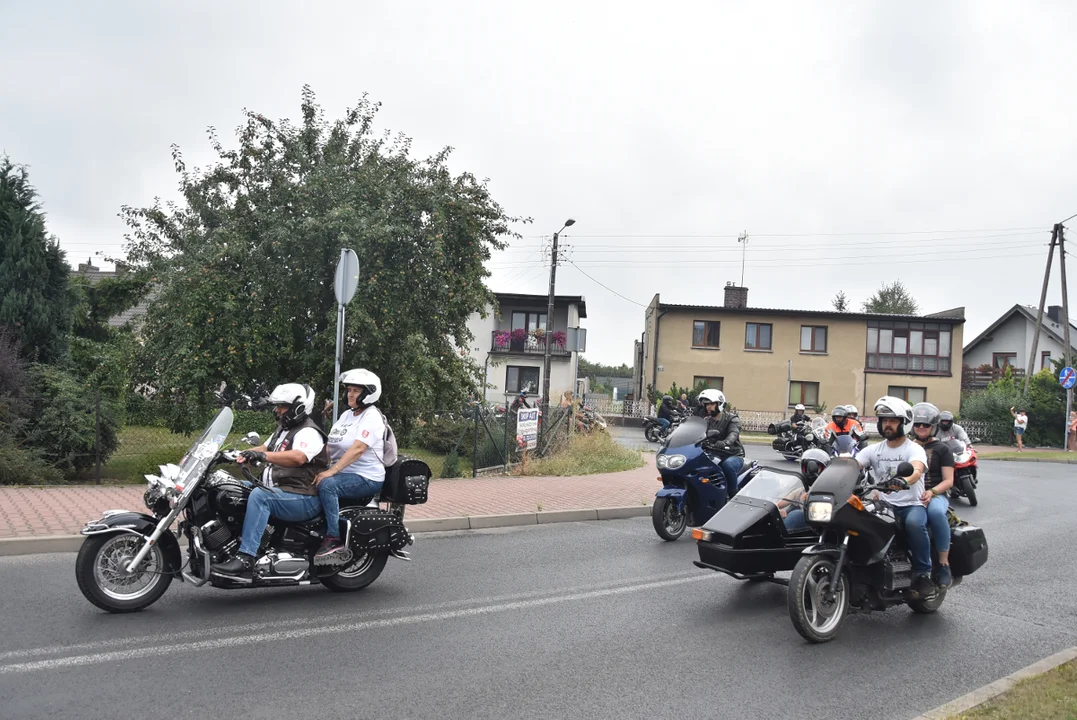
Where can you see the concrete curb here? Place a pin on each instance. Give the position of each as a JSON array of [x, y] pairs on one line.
[[72, 543], [993, 690]]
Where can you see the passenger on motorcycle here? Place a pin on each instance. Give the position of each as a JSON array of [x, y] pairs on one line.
[[812, 464], [294, 455], [949, 430], [723, 436], [665, 412], [800, 415], [940, 478], [895, 421], [356, 446]]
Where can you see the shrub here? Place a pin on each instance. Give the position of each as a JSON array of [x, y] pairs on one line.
[[442, 434], [1045, 405], [451, 468], [25, 466], [585, 455]]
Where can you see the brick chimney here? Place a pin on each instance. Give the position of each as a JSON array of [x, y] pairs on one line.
[[735, 296], [1054, 312]]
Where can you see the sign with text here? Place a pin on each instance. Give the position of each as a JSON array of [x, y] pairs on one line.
[[527, 428]]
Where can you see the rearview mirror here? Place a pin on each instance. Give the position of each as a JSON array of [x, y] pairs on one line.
[[713, 433], [252, 438], [905, 470]]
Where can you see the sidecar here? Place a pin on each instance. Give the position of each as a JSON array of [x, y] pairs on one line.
[[748, 539]]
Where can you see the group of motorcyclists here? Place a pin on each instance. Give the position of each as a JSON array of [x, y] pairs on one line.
[[307, 471]]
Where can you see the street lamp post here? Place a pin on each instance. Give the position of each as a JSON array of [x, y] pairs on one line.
[[549, 325]]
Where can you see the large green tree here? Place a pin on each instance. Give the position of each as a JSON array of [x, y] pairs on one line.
[[892, 299], [244, 264], [35, 298]]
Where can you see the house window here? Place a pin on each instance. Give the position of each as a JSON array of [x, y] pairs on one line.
[[812, 339], [757, 336], [519, 378], [706, 333], [1045, 359], [709, 383], [803, 392], [911, 395], [1001, 360], [914, 348]]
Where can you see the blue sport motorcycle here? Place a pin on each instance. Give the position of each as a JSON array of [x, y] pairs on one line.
[[693, 485]]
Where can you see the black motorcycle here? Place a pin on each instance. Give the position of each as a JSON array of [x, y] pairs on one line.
[[861, 559], [795, 438], [129, 559], [653, 431]]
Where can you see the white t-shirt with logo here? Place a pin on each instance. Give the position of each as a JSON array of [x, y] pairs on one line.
[[884, 461], [308, 440], [367, 427]]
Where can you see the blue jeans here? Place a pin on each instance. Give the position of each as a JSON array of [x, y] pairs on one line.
[[349, 485], [286, 506], [794, 520], [938, 523], [914, 519], [731, 467], [663, 423]]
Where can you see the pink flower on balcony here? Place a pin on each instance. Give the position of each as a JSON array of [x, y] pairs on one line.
[[519, 335], [501, 338], [560, 337]]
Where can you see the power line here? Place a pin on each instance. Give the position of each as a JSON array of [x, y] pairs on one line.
[[915, 244], [825, 234], [604, 285]]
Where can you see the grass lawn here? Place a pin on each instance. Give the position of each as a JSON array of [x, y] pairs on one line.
[[1027, 454], [436, 461], [586, 455], [1051, 696]]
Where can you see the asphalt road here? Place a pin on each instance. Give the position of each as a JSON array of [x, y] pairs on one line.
[[582, 620]]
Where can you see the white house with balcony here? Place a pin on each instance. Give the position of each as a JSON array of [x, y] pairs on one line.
[[1008, 340], [511, 343]]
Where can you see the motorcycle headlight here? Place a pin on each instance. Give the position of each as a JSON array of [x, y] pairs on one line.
[[820, 511], [675, 461], [809, 437], [660, 462]]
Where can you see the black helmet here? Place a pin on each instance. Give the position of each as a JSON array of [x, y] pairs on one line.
[[925, 412], [840, 416]]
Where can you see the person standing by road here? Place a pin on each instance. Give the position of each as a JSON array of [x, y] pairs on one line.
[[1020, 424]]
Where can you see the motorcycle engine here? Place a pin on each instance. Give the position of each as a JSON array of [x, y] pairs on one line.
[[215, 535], [280, 564]]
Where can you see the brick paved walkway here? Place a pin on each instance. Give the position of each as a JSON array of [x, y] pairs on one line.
[[30, 512]]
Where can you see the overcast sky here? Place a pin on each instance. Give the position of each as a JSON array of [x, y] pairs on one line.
[[855, 142]]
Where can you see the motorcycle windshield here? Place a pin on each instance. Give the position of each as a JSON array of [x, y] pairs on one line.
[[204, 450], [956, 447], [772, 485], [844, 446], [689, 432]]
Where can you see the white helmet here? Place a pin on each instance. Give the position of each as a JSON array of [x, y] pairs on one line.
[[299, 399], [799, 406], [712, 396], [365, 379], [853, 412], [889, 406]]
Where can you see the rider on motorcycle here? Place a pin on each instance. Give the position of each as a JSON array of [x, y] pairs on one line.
[[800, 415], [812, 464], [895, 420], [839, 421], [666, 412], [723, 436], [949, 430], [294, 455], [940, 478], [356, 445]]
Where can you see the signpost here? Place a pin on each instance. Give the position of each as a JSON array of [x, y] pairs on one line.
[[345, 284], [1068, 378], [527, 428]]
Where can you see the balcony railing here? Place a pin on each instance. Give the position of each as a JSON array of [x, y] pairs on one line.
[[506, 341]]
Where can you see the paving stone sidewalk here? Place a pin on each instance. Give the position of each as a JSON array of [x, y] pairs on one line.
[[37, 512]]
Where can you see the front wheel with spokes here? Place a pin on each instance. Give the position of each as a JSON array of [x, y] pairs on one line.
[[101, 572], [816, 612]]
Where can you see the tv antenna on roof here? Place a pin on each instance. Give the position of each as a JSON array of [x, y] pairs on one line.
[[743, 238]]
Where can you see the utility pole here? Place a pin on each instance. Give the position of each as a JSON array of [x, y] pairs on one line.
[[1030, 368], [1061, 233], [549, 329], [744, 251]]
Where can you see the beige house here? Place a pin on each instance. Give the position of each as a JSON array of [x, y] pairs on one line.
[[769, 359]]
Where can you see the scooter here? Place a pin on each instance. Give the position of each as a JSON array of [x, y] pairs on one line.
[[693, 484]]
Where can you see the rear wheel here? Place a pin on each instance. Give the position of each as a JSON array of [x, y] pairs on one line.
[[362, 571], [101, 572], [815, 616], [668, 521], [651, 433]]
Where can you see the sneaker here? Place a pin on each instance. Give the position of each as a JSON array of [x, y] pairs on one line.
[[329, 547], [238, 566], [923, 586], [946, 578]]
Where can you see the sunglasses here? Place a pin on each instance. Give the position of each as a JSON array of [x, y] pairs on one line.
[[923, 425]]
